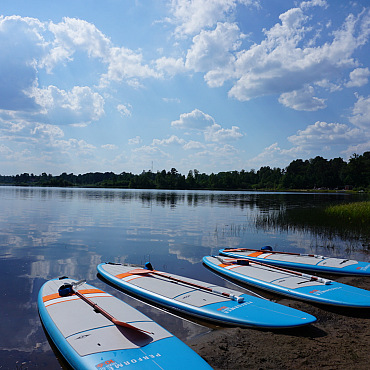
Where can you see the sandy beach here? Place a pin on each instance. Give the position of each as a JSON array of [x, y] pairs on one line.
[[340, 339]]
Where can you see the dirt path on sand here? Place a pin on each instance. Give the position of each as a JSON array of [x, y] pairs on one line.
[[340, 339]]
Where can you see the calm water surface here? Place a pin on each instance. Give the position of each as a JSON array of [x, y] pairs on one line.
[[47, 233]]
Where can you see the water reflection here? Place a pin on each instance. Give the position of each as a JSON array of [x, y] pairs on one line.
[[264, 201], [47, 233]]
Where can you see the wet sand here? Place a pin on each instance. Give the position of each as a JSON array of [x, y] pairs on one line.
[[339, 339]]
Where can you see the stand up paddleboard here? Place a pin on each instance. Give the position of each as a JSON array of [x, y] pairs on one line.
[[94, 330], [202, 300], [298, 261], [290, 283]]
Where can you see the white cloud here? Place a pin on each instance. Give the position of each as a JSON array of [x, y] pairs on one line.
[[41, 146], [109, 147], [170, 66], [302, 100], [194, 15], [149, 151], [323, 134], [22, 45], [285, 62], [358, 149], [125, 64], [358, 77], [79, 106], [212, 131], [213, 49], [195, 120], [135, 140], [312, 3], [50, 136], [219, 157], [46, 131], [72, 35], [172, 140], [12, 124], [216, 133], [29, 45], [328, 85], [74, 146], [281, 63], [361, 113], [125, 110], [4, 150], [193, 145], [171, 100], [274, 156]]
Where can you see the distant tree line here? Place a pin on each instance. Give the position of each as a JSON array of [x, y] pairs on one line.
[[315, 173]]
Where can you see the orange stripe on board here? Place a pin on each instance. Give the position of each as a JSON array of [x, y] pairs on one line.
[[75, 298], [88, 291], [121, 276], [71, 298], [56, 295], [133, 276], [229, 266], [255, 254]]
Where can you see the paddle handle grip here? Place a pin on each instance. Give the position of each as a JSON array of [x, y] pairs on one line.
[[316, 278], [237, 298]]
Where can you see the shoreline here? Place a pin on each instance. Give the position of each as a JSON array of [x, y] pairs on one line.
[[339, 339]]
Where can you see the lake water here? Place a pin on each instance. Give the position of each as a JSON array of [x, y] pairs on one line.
[[50, 232]]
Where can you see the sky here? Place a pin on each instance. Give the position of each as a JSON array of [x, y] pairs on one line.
[[212, 85]]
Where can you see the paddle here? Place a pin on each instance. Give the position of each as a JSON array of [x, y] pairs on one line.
[[274, 252], [212, 290], [242, 262], [67, 289]]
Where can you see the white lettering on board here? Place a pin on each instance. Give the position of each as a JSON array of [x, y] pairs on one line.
[[227, 310], [319, 292], [111, 364]]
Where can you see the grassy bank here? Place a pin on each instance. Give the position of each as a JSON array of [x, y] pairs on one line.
[[358, 212], [350, 221]]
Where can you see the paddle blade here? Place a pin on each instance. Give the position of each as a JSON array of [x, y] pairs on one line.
[[126, 325]]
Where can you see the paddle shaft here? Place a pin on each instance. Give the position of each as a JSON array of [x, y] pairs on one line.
[[311, 277], [96, 307], [233, 297], [274, 252]]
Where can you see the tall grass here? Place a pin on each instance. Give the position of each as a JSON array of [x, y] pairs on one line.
[[349, 221], [351, 212]]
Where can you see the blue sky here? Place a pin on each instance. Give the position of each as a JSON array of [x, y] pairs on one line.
[[212, 85]]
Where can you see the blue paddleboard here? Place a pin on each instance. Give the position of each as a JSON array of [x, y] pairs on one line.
[[292, 284], [89, 339], [301, 261], [201, 299]]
